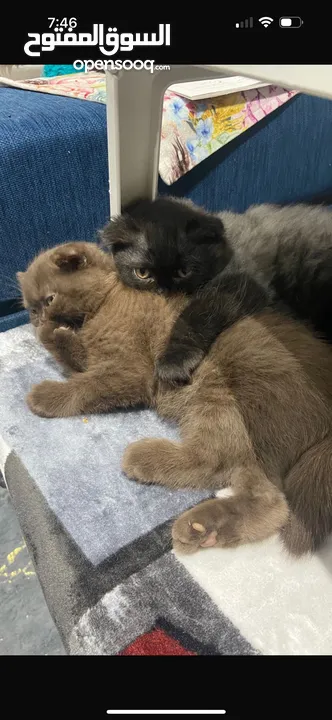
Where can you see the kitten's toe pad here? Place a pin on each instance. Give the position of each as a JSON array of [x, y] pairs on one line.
[[189, 536], [201, 528], [210, 539], [63, 330]]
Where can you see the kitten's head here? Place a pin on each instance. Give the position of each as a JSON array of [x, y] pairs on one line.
[[67, 281], [167, 245]]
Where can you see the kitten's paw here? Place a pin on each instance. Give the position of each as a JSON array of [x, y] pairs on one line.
[[48, 399], [62, 335], [203, 527], [51, 334], [176, 367], [63, 330], [140, 460], [45, 332]]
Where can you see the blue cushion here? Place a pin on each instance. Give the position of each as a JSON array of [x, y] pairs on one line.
[[13, 320], [53, 176]]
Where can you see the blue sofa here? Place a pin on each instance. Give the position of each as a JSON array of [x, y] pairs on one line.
[[54, 176]]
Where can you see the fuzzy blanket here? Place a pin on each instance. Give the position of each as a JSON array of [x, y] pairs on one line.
[[101, 543]]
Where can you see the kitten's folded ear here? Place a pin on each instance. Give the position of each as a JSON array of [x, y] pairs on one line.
[[118, 233], [69, 259], [205, 229]]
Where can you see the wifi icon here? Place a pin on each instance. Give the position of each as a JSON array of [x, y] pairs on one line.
[[265, 21]]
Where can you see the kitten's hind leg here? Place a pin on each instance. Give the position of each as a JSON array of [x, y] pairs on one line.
[[214, 440], [216, 448], [163, 462], [256, 511]]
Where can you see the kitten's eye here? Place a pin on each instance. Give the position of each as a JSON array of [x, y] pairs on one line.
[[49, 300], [142, 274], [182, 273]]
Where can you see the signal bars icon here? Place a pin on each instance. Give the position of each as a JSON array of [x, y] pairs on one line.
[[248, 23]]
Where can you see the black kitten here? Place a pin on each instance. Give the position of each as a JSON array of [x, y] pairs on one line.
[[268, 254], [167, 246]]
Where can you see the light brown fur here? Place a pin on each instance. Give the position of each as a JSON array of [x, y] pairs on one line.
[[257, 416]]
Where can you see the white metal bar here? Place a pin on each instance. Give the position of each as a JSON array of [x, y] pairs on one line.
[[134, 117], [113, 142]]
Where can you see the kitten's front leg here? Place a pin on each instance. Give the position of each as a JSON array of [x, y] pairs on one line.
[[223, 301], [64, 344], [183, 353], [94, 391], [70, 349]]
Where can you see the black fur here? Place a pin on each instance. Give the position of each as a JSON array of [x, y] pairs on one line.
[[266, 255], [164, 237], [223, 301]]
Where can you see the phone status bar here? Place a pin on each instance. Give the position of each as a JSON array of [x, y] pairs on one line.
[[289, 22]]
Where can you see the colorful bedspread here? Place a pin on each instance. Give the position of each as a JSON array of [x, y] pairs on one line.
[[191, 131]]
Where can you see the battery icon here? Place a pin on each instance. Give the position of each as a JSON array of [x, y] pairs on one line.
[[290, 22]]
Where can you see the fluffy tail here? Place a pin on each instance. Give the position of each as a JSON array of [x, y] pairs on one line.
[[308, 490]]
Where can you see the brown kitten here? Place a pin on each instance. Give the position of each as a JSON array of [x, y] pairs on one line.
[[257, 416]]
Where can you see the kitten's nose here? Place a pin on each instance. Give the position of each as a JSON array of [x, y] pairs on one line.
[[164, 284]]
